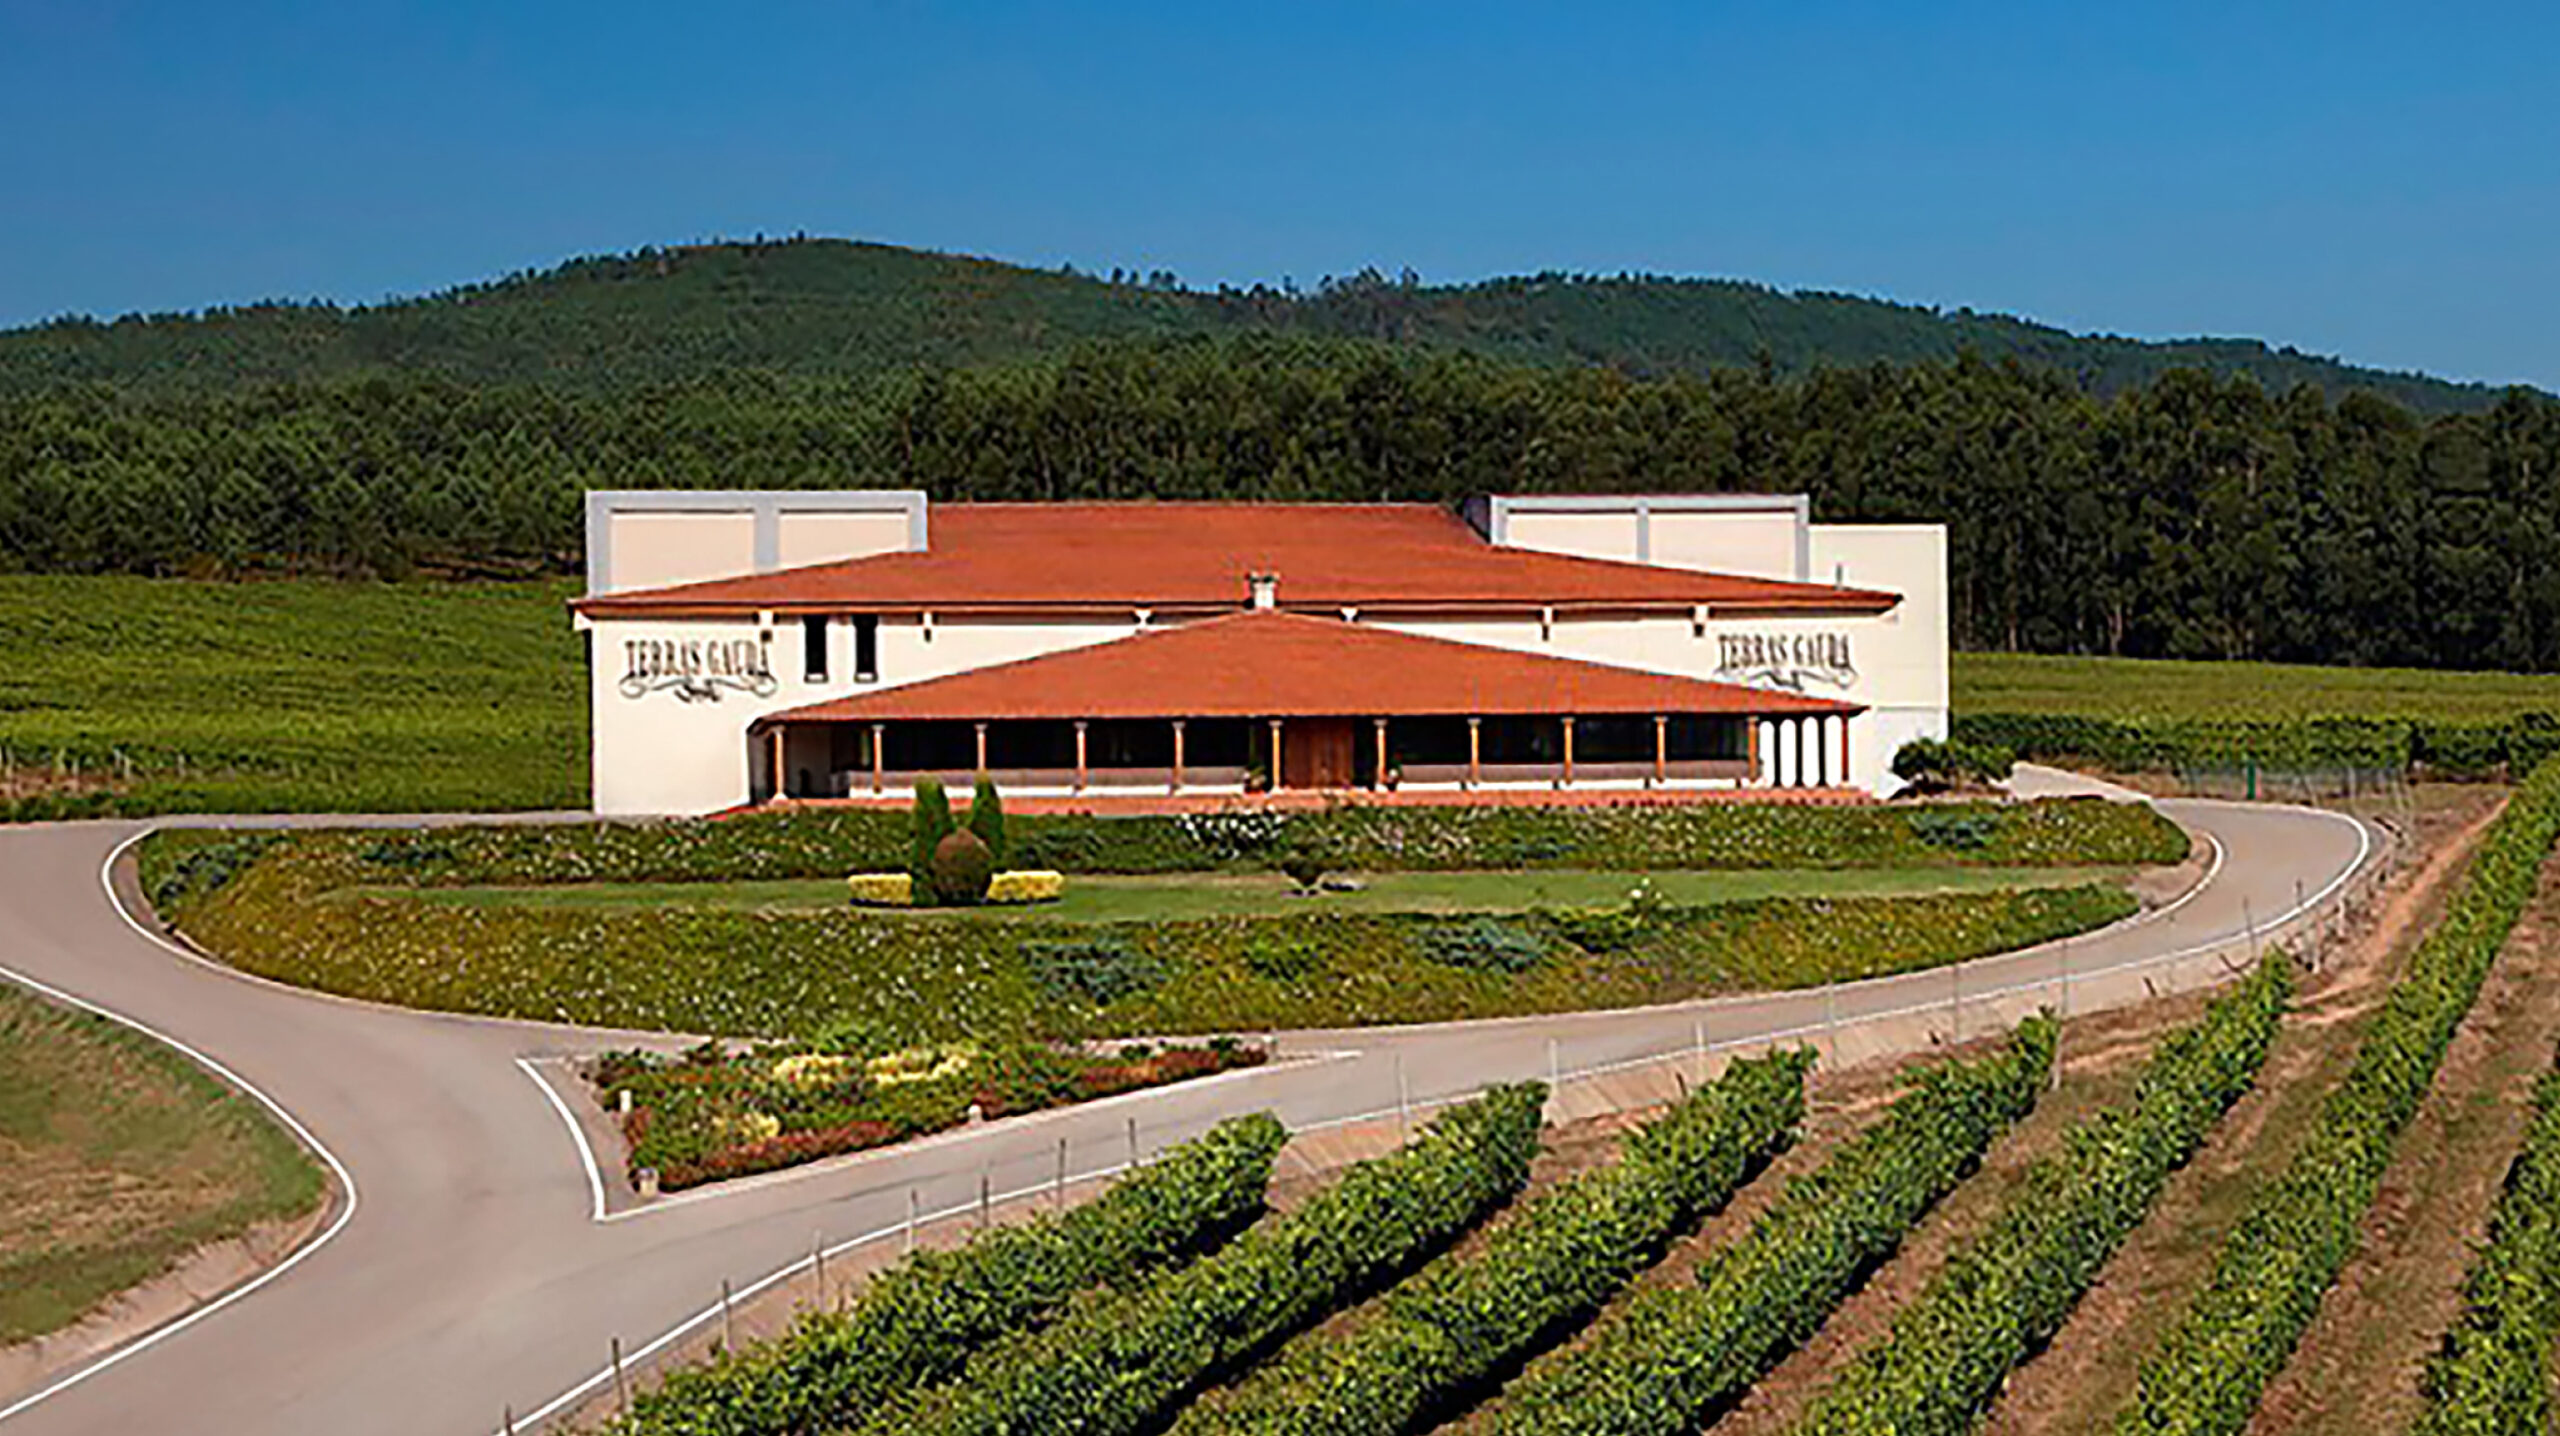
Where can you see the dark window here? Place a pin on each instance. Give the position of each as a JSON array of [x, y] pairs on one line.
[[866, 648], [814, 642]]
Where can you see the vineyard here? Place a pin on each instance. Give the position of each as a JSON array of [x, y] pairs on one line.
[[1780, 1250], [132, 696]]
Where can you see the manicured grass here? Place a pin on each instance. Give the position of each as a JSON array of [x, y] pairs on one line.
[[2144, 688], [117, 1158], [295, 695], [1107, 899]]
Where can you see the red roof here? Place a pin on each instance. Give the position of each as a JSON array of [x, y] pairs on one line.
[[1268, 664], [1178, 555]]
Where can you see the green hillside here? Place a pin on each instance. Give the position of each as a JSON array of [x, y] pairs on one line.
[[832, 308]]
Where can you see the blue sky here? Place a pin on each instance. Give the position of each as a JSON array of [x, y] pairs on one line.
[[2380, 182]]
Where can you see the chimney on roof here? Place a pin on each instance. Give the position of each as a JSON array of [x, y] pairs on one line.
[[1264, 588]]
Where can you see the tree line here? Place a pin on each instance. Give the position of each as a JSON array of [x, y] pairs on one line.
[[2188, 517]]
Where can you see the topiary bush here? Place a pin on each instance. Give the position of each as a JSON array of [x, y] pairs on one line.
[[929, 825], [962, 869], [986, 819]]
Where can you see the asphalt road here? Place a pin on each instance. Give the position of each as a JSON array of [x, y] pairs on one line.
[[473, 1272]]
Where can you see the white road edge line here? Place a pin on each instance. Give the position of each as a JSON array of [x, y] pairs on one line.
[[346, 1180], [673, 1334], [577, 1134]]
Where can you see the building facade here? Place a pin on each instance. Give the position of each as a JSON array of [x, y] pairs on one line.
[[838, 646]]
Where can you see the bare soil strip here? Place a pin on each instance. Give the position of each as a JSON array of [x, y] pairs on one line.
[[2087, 1374]]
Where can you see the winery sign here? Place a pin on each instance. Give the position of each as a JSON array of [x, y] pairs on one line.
[[696, 670], [1793, 661]]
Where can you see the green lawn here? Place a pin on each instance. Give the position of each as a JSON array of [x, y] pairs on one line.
[[2143, 688], [1177, 897], [118, 1157]]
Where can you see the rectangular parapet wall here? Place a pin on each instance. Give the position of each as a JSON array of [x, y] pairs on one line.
[[654, 538]]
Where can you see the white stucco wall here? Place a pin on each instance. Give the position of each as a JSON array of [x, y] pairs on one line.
[[658, 752]]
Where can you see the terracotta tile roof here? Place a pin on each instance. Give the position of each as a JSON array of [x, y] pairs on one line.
[[1194, 555], [1267, 664]]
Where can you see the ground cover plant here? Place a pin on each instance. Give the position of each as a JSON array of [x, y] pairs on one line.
[[916, 1324], [1125, 1364], [917, 978], [2280, 1260], [712, 1113], [135, 695], [2000, 1298], [117, 1158], [1166, 897], [2493, 1376], [1355, 838], [1438, 1338], [1673, 1356]]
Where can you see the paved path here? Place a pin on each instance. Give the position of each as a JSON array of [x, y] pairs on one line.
[[473, 1273]]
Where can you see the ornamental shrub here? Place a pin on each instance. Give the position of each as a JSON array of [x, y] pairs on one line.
[[917, 1323], [1483, 944], [1026, 887], [2279, 1261], [1124, 1365], [1439, 1339], [2003, 1296], [986, 819], [1097, 971], [1672, 1358], [929, 825], [962, 869], [882, 889], [1936, 764]]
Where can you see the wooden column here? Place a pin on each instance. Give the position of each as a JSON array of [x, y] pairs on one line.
[[982, 750], [1475, 752], [1566, 781], [1177, 755], [1378, 779], [1080, 763], [1661, 749], [773, 745], [1275, 755], [1844, 750], [1750, 751], [879, 750]]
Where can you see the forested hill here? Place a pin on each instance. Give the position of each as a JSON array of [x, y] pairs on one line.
[[835, 309]]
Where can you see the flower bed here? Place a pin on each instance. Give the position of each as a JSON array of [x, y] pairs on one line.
[[804, 843], [1005, 889], [714, 1114]]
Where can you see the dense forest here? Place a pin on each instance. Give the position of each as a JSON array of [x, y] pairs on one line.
[[2190, 515], [832, 309]]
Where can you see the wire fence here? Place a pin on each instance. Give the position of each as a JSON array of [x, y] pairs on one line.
[[1594, 1064]]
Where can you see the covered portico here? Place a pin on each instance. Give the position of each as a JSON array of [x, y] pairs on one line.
[[1275, 702]]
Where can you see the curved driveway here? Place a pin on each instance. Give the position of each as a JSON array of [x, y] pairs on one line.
[[474, 1274]]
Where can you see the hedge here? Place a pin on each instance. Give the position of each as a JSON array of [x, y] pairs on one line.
[[918, 1322], [2439, 747], [918, 978], [2002, 1297], [2280, 1260], [1124, 1365], [1675, 1356], [1438, 1340], [831, 843], [2493, 1376]]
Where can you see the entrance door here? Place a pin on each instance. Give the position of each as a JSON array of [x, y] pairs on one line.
[[1318, 753]]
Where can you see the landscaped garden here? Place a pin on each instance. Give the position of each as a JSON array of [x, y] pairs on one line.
[[1890, 1265], [716, 1112], [1465, 913]]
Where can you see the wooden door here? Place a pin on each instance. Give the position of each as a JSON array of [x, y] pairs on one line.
[[1318, 753]]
